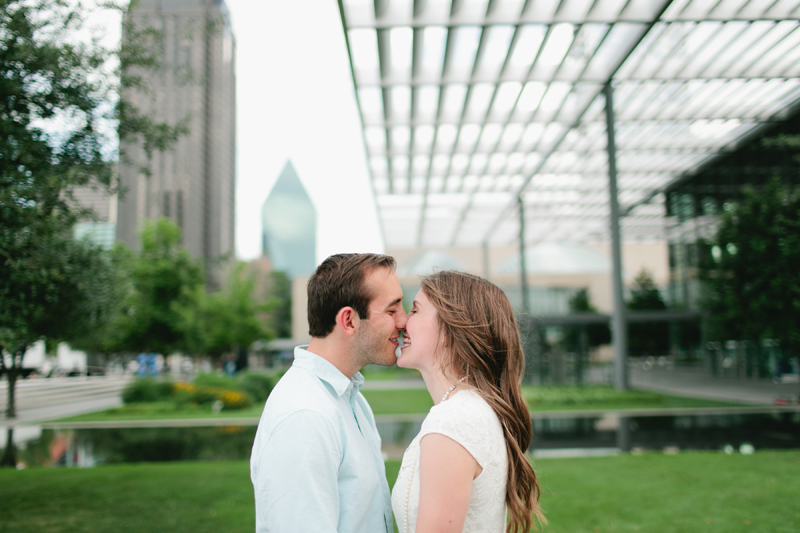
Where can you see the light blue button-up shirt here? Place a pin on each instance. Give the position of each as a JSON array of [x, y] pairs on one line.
[[316, 464]]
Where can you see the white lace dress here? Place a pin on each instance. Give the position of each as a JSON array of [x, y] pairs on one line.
[[466, 418]]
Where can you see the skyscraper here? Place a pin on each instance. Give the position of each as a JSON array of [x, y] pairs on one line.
[[193, 183], [290, 226]]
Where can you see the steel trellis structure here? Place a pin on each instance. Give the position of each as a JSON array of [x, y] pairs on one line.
[[468, 103]]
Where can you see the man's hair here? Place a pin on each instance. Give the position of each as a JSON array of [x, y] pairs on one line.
[[340, 281]]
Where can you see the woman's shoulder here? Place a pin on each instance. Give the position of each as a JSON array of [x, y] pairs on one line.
[[469, 420], [463, 413]]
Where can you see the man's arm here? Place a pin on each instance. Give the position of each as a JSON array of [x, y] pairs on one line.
[[296, 478]]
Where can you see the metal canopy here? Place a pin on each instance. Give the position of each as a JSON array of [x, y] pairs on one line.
[[468, 103]]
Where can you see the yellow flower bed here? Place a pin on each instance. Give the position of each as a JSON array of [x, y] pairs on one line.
[[231, 399]]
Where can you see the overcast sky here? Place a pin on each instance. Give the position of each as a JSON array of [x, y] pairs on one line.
[[295, 100]]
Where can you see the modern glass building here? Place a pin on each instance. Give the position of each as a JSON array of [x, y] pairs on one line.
[[289, 228], [194, 182], [694, 203]]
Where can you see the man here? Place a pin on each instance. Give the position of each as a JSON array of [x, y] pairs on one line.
[[316, 463]]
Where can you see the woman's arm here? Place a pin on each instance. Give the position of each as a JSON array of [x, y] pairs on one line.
[[446, 471]]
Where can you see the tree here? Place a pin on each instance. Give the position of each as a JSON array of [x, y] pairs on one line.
[[647, 338], [165, 283], [597, 334], [278, 307], [107, 338], [229, 318], [580, 339], [751, 283], [57, 132]]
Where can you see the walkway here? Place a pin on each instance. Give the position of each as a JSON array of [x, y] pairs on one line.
[[698, 383], [48, 398]]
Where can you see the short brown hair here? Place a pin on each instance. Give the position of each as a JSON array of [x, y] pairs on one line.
[[339, 282]]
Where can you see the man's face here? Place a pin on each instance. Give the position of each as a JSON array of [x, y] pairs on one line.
[[376, 337]]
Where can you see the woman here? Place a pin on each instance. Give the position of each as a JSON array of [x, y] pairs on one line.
[[467, 466]]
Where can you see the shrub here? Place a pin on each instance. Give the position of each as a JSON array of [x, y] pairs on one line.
[[230, 398], [258, 385], [216, 380], [147, 390]]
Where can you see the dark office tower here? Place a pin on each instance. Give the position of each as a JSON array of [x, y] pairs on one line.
[[289, 222], [193, 183]]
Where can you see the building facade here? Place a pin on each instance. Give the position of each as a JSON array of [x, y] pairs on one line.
[[289, 225], [693, 205], [194, 182]]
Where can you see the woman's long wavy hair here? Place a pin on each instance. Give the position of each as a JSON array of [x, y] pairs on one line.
[[481, 340]]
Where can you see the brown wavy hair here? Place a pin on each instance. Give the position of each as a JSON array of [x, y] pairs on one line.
[[481, 340]]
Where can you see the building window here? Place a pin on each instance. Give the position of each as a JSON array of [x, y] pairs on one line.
[[166, 206], [179, 208]]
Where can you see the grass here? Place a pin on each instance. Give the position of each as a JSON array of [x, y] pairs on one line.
[[547, 398], [603, 397], [708, 492], [383, 373], [174, 497], [418, 401]]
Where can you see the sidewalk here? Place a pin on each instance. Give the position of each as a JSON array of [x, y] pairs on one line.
[[697, 382], [49, 398]]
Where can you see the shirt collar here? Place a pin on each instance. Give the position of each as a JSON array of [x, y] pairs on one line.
[[324, 370]]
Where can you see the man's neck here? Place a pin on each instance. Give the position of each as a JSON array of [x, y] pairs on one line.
[[335, 352]]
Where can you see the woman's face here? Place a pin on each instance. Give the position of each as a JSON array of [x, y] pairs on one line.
[[422, 336]]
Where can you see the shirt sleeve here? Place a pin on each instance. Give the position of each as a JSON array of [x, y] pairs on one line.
[[466, 426], [296, 482]]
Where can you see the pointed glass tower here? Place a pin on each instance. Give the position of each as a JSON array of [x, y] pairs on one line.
[[289, 225]]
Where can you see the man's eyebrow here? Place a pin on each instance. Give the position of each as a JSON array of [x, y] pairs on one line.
[[395, 302]]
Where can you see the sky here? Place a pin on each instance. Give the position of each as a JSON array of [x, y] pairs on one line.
[[295, 101]]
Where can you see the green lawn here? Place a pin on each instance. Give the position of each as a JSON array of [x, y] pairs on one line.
[[417, 401], [708, 492], [548, 398]]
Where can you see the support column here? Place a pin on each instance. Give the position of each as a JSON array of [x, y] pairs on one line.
[[619, 326], [523, 271]]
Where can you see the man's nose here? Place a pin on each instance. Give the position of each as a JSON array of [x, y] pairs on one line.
[[400, 319]]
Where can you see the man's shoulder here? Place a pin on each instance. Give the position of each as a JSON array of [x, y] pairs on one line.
[[299, 391]]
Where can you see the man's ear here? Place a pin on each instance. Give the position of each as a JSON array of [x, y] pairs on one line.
[[348, 320]]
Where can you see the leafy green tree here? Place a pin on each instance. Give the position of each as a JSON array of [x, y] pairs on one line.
[[751, 282], [596, 334], [165, 283], [647, 338], [57, 132], [59, 289], [579, 339], [278, 307], [228, 318], [107, 338]]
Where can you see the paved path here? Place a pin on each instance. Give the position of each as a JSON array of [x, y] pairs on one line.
[[698, 383], [48, 398]]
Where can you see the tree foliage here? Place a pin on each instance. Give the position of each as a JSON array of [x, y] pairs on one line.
[[647, 338], [57, 132], [165, 281], [229, 317], [278, 307], [596, 334], [751, 282]]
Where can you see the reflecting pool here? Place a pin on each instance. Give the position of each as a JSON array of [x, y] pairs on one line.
[[555, 435]]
